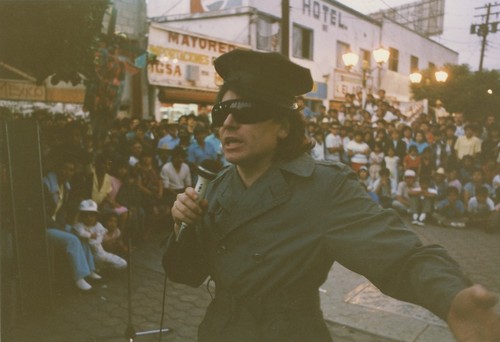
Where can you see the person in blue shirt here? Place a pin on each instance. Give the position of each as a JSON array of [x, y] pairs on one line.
[[420, 142], [214, 140], [199, 150], [450, 212], [171, 139]]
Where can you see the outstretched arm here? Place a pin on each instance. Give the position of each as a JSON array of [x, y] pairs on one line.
[[472, 316]]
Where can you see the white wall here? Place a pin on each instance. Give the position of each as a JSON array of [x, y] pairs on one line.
[[409, 43], [331, 24]]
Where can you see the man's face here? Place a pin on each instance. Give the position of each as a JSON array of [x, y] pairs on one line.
[[459, 119], [172, 131], [452, 197], [135, 123], [250, 145], [136, 149], [88, 218], [200, 137], [469, 132], [67, 172], [477, 177], [409, 180], [335, 129]]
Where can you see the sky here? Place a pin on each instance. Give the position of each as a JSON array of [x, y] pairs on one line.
[[459, 15]]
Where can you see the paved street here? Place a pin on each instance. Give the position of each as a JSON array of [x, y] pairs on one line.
[[354, 310]]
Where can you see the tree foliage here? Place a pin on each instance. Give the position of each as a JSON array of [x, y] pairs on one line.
[[464, 91], [43, 38]]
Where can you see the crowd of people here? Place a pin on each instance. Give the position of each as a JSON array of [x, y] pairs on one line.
[[436, 165], [102, 192]]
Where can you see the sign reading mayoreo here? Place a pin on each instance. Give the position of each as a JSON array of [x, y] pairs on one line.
[[185, 60]]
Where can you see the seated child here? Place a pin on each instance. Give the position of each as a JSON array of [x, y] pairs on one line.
[[480, 207], [422, 201], [89, 229], [382, 187], [450, 212], [112, 240], [364, 177]]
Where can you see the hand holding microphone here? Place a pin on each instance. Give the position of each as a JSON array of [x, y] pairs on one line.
[[190, 205]]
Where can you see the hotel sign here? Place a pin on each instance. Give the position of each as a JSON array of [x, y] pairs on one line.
[[327, 14]]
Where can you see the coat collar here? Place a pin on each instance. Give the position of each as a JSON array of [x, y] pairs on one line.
[[236, 205]]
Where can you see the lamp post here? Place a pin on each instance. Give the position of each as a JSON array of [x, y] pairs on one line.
[[440, 75], [351, 59]]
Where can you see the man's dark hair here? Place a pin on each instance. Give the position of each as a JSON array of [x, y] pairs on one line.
[[385, 172]]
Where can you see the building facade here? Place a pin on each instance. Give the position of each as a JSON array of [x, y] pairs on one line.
[[321, 31]]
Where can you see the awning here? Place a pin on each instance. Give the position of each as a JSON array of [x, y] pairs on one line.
[[181, 95]]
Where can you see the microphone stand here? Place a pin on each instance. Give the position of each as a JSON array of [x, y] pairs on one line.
[[130, 332]]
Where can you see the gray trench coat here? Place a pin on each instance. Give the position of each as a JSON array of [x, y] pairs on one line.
[[269, 247]]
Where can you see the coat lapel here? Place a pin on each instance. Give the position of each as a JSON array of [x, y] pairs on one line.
[[236, 205]]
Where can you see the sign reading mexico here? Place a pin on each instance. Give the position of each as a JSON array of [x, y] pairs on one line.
[[185, 60]]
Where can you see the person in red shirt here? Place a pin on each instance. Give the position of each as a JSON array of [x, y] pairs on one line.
[[412, 159]]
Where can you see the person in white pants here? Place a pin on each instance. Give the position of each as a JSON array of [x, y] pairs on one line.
[[89, 229]]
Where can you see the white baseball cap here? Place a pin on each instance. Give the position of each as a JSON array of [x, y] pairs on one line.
[[410, 173], [440, 171], [88, 206]]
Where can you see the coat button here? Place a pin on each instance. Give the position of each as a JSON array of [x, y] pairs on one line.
[[258, 257], [221, 249]]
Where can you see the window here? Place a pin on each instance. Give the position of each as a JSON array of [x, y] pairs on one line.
[[341, 49], [302, 42], [432, 66], [268, 34], [413, 64], [393, 59], [366, 56]]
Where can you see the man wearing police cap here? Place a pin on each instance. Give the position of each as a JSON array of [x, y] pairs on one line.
[[275, 221]]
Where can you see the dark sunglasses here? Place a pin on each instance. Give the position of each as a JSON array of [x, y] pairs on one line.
[[243, 111]]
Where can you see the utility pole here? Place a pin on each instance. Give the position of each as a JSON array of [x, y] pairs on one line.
[[285, 28], [484, 29]]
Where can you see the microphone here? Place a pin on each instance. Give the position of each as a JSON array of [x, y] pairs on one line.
[[207, 171]]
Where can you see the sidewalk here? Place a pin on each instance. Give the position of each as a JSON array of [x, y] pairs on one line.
[[354, 310], [351, 300]]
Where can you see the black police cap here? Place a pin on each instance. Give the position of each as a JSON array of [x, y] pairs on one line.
[[267, 77]]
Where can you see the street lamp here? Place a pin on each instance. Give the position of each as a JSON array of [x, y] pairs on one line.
[[381, 55], [415, 77], [440, 75], [351, 59]]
